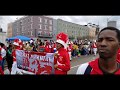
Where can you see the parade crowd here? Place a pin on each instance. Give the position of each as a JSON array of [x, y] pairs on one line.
[[64, 50], [74, 49]]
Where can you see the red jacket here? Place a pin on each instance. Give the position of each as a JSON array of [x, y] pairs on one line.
[[63, 62], [48, 48]]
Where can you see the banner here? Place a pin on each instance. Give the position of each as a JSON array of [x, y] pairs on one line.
[[35, 62]]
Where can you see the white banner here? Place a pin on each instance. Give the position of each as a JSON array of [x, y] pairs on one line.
[[38, 63]]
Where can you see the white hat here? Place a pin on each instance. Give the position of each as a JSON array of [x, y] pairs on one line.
[[16, 42], [62, 38]]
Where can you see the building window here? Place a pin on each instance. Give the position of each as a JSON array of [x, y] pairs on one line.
[[50, 28], [22, 28], [50, 22], [31, 33], [45, 21], [31, 18], [31, 26], [40, 19], [45, 27], [40, 26], [17, 30]]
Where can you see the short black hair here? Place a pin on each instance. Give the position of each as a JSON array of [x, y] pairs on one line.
[[2, 44], [112, 29]]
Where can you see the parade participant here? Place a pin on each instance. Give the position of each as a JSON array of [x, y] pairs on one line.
[[47, 47], [69, 49], [16, 46], [62, 59], [1, 70], [108, 43], [3, 54], [9, 57], [94, 47]]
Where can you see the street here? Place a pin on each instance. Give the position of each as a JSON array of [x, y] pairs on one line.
[[80, 60]]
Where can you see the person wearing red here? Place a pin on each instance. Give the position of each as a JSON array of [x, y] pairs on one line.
[[94, 47], [69, 49], [16, 46], [47, 47], [1, 70], [54, 47], [108, 43], [62, 59]]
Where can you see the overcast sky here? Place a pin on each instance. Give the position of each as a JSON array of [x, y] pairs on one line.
[[82, 20]]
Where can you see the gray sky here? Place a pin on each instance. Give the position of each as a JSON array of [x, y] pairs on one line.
[[82, 20]]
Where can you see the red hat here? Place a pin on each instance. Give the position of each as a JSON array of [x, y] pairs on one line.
[[62, 38], [16, 42]]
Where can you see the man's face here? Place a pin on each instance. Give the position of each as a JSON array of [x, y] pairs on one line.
[[58, 45], [107, 44]]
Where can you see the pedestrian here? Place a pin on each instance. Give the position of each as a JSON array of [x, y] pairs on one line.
[[16, 46], [9, 58], [3, 54], [62, 59], [94, 47], [1, 70], [108, 43]]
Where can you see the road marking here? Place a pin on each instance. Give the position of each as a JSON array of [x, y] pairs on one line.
[[75, 66]]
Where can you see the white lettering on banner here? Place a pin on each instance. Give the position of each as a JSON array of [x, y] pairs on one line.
[[39, 64]]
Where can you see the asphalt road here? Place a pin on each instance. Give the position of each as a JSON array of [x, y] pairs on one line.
[[80, 60]]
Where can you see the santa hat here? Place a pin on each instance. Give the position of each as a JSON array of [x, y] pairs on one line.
[[16, 42], [62, 38], [20, 44]]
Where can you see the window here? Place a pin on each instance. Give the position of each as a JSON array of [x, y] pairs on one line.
[[22, 28], [40, 19], [28, 20], [31, 18], [40, 26], [31, 33], [50, 22], [45, 27], [31, 26], [45, 21], [50, 28]]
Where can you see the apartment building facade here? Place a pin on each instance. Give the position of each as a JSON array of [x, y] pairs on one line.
[[9, 30], [34, 27], [74, 31]]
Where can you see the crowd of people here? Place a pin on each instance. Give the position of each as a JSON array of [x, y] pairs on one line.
[[106, 45]]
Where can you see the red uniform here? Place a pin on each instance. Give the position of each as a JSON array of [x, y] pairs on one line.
[[63, 62], [48, 48], [93, 68], [1, 71]]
